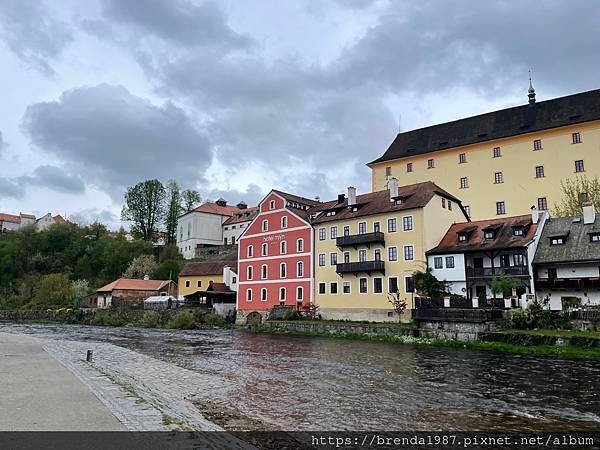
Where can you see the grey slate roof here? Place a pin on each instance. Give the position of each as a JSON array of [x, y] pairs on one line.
[[557, 112], [577, 247]]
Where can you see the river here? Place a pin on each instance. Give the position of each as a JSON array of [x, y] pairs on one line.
[[308, 383]]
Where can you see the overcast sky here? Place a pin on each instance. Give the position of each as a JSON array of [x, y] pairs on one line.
[[235, 97]]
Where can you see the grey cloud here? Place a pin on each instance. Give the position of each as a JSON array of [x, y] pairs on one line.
[[118, 139], [57, 179], [11, 187], [88, 216], [251, 196], [29, 30], [3, 144]]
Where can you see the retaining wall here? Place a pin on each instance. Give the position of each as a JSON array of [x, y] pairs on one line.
[[337, 327]]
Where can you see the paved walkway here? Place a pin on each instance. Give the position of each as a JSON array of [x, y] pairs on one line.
[[37, 393]]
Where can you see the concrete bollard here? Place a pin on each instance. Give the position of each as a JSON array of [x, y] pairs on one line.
[[507, 303], [475, 301], [89, 355], [446, 302]]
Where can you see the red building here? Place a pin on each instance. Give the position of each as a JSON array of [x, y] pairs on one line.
[[275, 264]]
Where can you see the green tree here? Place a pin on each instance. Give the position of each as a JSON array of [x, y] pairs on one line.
[[428, 284], [173, 210], [575, 192], [51, 291], [141, 266], [144, 208], [191, 199], [167, 270], [504, 284]]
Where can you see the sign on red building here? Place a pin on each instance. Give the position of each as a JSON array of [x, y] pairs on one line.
[[275, 256]]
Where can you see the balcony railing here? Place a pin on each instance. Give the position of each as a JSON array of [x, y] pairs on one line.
[[568, 283], [355, 240], [361, 267], [485, 272]]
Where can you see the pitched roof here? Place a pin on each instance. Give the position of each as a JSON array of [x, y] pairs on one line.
[[305, 203], [218, 287], [214, 267], [557, 112], [59, 219], [476, 241], [9, 218], [27, 216], [297, 198], [577, 247], [213, 208], [413, 196], [130, 284], [243, 215]]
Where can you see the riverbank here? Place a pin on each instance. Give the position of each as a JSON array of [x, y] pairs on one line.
[[523, 342]]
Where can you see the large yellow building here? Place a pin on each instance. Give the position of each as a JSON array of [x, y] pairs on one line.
[[197, 276], [503, 162], [369, 245]]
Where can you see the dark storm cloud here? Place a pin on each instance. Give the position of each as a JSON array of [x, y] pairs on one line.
[[117, 139], [88, 216], [251, 196], [177, 21], [57, 179], [10, 187], [29, 30]]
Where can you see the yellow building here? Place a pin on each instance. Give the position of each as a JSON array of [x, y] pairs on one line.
[[369, 245], [197, 276], [503, 162]]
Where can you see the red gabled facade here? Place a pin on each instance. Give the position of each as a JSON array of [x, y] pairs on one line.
[[280, 235]]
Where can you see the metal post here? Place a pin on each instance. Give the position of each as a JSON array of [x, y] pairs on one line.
[[88, 358]]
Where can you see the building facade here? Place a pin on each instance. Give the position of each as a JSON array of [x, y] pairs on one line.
[[275, 257], [131, 293], [11, 222], [234, 226], [368, 246], [197, 276], [471, 254], [501, 163], [567, 263]]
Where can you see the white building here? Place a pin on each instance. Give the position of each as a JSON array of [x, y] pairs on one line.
[[10, 222], [471, 254], [237, 223], [567, 263], [204, 226]]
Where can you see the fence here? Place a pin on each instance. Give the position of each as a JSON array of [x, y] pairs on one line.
[[459, 314]]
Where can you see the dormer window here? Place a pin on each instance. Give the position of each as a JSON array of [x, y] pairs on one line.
[[272, 204], [488, 235], [557, 241], [595, 237], [462, 237], [518, 231]]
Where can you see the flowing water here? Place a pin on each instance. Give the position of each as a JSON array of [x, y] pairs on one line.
[[308, 383]]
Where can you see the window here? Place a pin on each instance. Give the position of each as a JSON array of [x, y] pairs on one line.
[[438, 262], [284, 222], [232, 240], [346, 257], [225, 240], [333, 259], [518, 231], [542, 204], [249, 272], [537, 144], [449, 262], [282, 270], [322, 287], [265, 225], [300, 269], [333, 232], [362, 285], [497, 153], [187, 283], [488, 235], [189, 230], [409, 167], [443, 202], [557, 240], [430, 163], [377, 254], [263, 294], [518, 260], [346, 230], [299, 293], [322, 234], [500, 208], [377, 285], [321, 259], [409, 253], [579, 166], [300, 245], [362, 227], [272, 204], [233, 280], [449, 205], [407, 223], [504, 261], [391, 225], [392, 254], [388, 171], [282, 294], [464, 183], [346, 287], [376, 227], [467, 210], [199, 283], [333, 287], [462, 237], [498, 178], [539, 171], [392, 285], [283, 247], [248, 295], [362, 255], [462, 158], [409, 284], [263, 249], [264, 271], [594, 237], [576, 138], [181, 233]]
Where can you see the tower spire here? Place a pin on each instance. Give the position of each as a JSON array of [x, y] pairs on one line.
[[531, 90]]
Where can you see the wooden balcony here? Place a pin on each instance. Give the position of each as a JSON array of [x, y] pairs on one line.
[[367, 267], [489, 272], [355, 240], [568, 284]]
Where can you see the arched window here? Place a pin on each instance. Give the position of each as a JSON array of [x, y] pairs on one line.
[[300, 269], [264, 271], [282, 270], [265, 225], [272, 204], [299, 293], [248, 295], [250, 251], [264, 249], [300, 245], [249, 272], [284, 222], [283, 246], [282, 294], [263, 294]]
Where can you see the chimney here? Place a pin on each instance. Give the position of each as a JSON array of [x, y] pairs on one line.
[[351, 195], [589, 213], [393, 188], [242, 205], [341, 198], [534, 215]]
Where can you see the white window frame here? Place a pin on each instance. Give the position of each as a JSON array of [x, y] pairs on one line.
[[392, 220], [272, 204], [324, 286], [322, 233], [412, 250], [264, 249], [438, 262], [249, 294], [321, 259], [283, 247], [250, 251], [333, 232], [282, 290], [412, 223], [300, 245], [249, 273], [265, 225], [284, 222], [388, 285], [300, 269], [263, 295], [344, 284], [366, 280], [299, 293], [377, 278], [264, 272], [388, 253], [333, 255], [282, 270], [337, 289]]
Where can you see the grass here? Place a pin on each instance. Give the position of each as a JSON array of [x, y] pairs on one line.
[[559, 333], [351, 322]]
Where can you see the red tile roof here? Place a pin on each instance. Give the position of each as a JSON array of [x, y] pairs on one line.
[[242, 215], [476, 242], [196, 269], [213, 208], [129, 284], [9, 218]]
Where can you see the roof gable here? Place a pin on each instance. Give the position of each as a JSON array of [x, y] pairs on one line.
[[577, 246], [131, 284]]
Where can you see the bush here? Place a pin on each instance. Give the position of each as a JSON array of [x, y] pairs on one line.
[[150, 319], [292, 315], [214, 319], [183, 320]]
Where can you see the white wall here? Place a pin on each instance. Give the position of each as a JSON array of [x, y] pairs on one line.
[[590, 297], [456, 276], [574, 271], [204, 229], [230, 278], [230, 232]]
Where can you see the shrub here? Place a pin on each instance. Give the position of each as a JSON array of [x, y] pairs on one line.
[[214, 319], [183, 320], [150, 319], [292, 315]]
